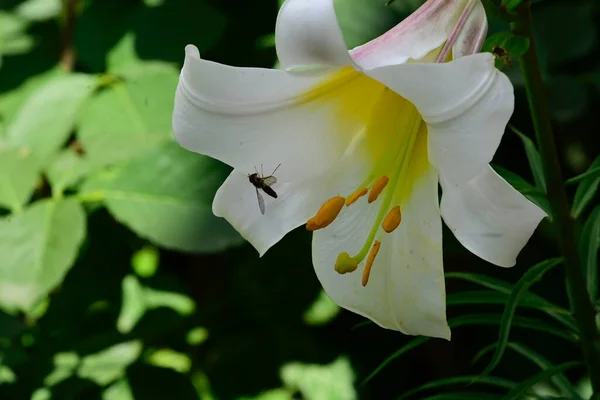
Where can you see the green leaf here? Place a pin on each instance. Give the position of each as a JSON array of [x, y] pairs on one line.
[[37, 248], [48, 117], [361, 21], [120, 390], [559, 380], [109, 364], [440, 383], [13, 35], [19, 175], [474, 319], [129, 117], [464, 396], [535, 161], [589, 243], [532, 275], [535, 195], [39, 10], [586, 191], [313, 381], [321, 311], [65, 169], [513, 47], [165, 195], [523, 387], [590, 173], [558, 313]]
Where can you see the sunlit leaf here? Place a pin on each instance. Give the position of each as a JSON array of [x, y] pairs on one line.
[[120, 390], [533, 156], [7, 375], [560, 314], [313, 381], [19, 175], [464, 396], [109, 364], [39, 10], [196, 336], [559, 379], [586, 191], [533, 275], [442, 383], [145, 261], [65, 169], [64, 367], [166, 195], [322, 311], [47, 118], [524, 386], [37, 248], [168, 358]]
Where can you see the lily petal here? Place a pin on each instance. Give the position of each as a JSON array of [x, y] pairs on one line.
[[307, 34], [248, 117], [472, 35], [489, 217], [466, 104], [423, 31], [405, 290]]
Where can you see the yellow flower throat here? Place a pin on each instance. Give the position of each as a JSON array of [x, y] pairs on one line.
[[396, 140]]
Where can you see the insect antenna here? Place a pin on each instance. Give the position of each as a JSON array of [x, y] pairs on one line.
[[276, 168]]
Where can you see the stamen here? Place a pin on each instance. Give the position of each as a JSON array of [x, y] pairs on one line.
[[369, 264], [377, 188], [356, 195], [345, 263], [392, 220], [326, 214]]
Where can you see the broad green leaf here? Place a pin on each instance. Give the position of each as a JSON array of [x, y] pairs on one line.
[[362, 21], [558, 313], [589, 243], [39, 10], [475, 319], [586, 191], [37, 248], [535, 195], [535, 161], [123, 55], [321, 311], [441, 383], [165, 195], [109, 364], [313, 381], [559, 380], [65, 365], [13, 36], [48, 117], [19, 175], [512, 46], [129, 117], [66, 168], [532, 275], [523, 387], [120, 390]]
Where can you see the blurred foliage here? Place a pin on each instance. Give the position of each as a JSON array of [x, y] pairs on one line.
[[118, 283]]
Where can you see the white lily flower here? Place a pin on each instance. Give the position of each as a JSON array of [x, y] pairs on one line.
[[363, 141]]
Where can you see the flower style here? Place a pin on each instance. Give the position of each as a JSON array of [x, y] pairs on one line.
[[363, 138]]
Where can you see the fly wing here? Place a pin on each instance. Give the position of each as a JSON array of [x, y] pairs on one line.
[[269, 180], [261, 202]]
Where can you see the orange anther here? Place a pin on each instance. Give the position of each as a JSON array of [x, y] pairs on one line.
[[369, 264], [326, 214], [377, 188], [356, 195], [392, 220]]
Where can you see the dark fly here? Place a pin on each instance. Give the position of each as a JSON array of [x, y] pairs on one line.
[[264, 183]]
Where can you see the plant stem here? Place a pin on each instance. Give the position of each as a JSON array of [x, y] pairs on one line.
[[563, 221], [67, 55]]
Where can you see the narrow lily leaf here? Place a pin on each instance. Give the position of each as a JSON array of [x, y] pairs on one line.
[[533, 275], [476, 319], [491, 297], [464, 396], [588, 247], [523, 387], [590, 173], [586, 191], [535, 161], [559, 379], [489, 380], [558, 313]]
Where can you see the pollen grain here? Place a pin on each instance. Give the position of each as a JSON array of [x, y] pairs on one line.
[[369, 264], [377, 188], [326, 214]]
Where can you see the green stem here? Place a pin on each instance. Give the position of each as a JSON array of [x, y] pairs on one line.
[[563, 221]]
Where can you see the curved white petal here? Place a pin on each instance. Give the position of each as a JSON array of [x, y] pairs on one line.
[[307, 33], [424, 30], [405, 291], [296, 202], [472, 35], [466, 104], [489, 217], [248, 117]]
